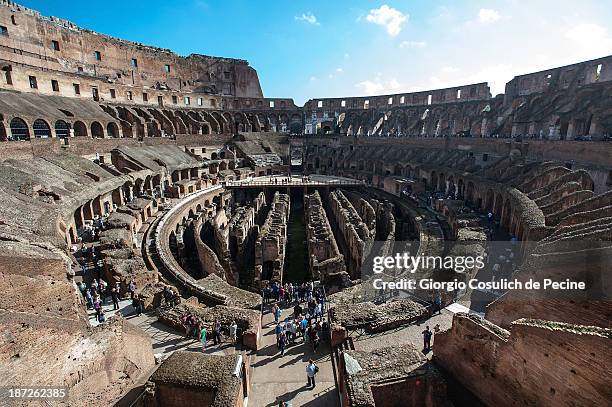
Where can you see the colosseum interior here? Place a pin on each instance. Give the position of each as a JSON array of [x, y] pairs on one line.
[[201, 204]]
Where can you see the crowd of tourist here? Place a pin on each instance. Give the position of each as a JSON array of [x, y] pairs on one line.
[[197, 329]]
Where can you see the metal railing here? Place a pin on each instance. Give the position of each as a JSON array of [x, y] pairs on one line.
[[292, 182]]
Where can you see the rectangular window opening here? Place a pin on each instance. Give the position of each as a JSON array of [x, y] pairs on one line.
[[98, 55], [429, 99], [55, 45], [320, 103], [187, 100], [272, 103], [77, 88], [343, 103], [54, 85], [145, 97], [390, 101], [129, 95], [134, 63], [33, 83], [3, 31], [167, 68], [598, 71], [113, 94], [458, 93]]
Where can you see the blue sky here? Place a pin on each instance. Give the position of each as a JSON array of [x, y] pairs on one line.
[[310, 49]]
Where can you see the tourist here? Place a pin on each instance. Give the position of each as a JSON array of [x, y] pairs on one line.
[[282, 343], [277, 314], [315, 340], [203, 337], [217, 332], [132, 289], [311, 371], [115, 298], [89, 298], [318, 311], [292, 330], [303, 327], [273, 311], [297, 310], [233, 331], [278, 330], [137, 306], [101, 316], [427, 334]]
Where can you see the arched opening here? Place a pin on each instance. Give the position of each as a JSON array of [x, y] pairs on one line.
[[489, 200], [96, 130], [112, 129], [41, 129], [3, 136], [80, 130], [61, 129], [19, 130], [397, 170], [506, 214]]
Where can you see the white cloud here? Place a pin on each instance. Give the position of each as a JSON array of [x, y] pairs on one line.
[[590, 39], [389, 17], [307, 17], [450, 69], [413, 44], [584, 33], [487, 15], [339, 70], [378, 86]]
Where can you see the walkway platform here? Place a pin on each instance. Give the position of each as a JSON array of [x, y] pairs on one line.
[[295, 181]]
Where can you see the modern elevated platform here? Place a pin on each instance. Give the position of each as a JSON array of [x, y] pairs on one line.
[[295, 181]]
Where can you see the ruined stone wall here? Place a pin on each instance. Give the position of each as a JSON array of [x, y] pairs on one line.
[[534, 363], [357, 236], [323, 253], [243, 228], [566, 77], [272, 241], [92, 59]]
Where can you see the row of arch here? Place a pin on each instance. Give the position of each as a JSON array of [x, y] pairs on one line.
[[18, 129]]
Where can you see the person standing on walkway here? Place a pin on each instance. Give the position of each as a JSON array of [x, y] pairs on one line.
[[311, 371], [282, 343], [115, 297], [233, 330], [203, 337], [273, 311], [217, 332], [427, 334], [278, 314]]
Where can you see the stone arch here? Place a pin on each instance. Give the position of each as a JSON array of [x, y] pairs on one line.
[[19, 129], [80, 129], [398, 169], [62, 129], [41, 129], [112, 129], [97, 131]]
